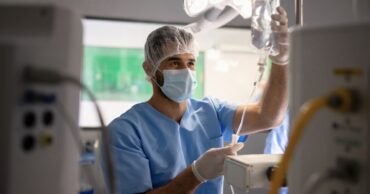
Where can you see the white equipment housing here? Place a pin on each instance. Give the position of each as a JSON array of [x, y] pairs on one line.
[[322, 59], [249, 171], [38, 154]]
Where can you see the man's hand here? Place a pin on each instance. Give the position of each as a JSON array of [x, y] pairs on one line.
[[211, 164], [279, 26]]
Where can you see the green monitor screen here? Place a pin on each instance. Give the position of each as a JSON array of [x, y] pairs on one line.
[[116, 74]]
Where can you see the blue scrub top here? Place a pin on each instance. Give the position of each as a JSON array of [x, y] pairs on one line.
[[149, 149], [277, 139]]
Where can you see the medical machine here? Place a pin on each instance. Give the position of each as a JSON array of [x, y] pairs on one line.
[[38, 151], [250, 171], [333, 153]]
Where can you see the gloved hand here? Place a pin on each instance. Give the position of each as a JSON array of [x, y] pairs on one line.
[[279, 27], [211, 164]]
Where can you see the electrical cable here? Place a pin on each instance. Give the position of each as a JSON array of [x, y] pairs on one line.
[[315, 181], [347, 170], [105, 135], [232, 189], [46, 76], [74, 128]]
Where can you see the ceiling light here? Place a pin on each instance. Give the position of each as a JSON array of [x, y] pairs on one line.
[[195, 7]]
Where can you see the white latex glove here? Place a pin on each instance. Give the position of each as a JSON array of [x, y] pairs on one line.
[[211, 164], [279, 26]]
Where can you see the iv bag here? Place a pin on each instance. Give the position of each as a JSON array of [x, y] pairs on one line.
[[262, 36]]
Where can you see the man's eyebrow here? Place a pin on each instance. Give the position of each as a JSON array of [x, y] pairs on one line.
[[173, 58]]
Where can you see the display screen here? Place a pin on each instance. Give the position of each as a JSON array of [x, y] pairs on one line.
[[116, 74]]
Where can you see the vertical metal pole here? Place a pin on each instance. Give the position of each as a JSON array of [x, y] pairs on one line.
[[299, 12]]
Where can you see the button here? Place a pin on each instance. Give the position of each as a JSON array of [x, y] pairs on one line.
[[48, 118], [29, 119], [28, 143], [46, 139]]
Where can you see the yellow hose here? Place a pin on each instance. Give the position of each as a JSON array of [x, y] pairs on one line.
[[306, 112]]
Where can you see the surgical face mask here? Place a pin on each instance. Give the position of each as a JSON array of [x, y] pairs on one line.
[[179, 85]]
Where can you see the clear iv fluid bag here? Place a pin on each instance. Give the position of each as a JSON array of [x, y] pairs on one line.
[[262, 35]]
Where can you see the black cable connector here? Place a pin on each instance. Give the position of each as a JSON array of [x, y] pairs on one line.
[[344, 100], [347, 170], [270, 171]]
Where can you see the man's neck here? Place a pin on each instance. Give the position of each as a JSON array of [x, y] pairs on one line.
[[171, 109]]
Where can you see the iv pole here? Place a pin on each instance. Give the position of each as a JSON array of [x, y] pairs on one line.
[[299, 12]]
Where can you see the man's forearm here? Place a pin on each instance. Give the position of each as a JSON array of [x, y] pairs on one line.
[[275, 98], [270, 110], [184, 183]]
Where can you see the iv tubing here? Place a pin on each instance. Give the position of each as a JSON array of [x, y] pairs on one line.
[[261, 71]]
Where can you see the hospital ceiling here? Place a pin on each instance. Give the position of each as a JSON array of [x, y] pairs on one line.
[[158, 11], [163, 11]]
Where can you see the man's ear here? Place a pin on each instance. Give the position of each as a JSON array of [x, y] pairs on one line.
[[147, 68]]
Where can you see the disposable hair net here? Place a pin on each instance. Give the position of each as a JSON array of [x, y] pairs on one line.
[[168, 41]]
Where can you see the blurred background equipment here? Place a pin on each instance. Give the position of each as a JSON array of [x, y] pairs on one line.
[[326, 57], [38, 151]]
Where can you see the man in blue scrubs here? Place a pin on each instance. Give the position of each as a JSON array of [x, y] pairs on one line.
[[173, 143]]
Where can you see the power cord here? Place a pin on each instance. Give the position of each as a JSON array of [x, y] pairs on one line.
[[346, 170], [74, 128], [315, 181], [47, 76]]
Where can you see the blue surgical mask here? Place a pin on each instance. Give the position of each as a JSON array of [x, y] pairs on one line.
[[179, 85]]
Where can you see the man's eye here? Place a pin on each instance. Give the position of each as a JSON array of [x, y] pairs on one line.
[[191, 65], [175, 63]]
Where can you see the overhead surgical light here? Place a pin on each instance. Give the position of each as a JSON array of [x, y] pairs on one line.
[[215, 1], [194, 8], [216, 13]]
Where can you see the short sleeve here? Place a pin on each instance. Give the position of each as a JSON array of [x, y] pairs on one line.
[[225, 113], [130, 163]]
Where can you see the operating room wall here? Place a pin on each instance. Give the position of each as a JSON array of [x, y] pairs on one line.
[[328, 12], [318, 12]]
